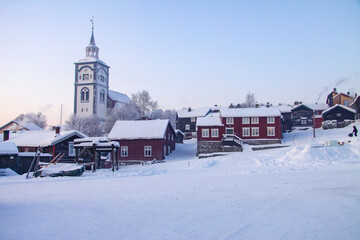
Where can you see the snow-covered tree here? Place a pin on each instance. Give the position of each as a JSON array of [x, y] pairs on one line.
[[144, 102], [128, 111], [37, 118], [249, 100], [90, 126]]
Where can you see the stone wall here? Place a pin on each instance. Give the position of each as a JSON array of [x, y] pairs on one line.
[[261, 141], [208, 147]]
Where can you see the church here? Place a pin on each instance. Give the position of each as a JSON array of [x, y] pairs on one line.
[[92, 93]]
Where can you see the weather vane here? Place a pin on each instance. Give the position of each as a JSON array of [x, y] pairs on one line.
[[92, 22]]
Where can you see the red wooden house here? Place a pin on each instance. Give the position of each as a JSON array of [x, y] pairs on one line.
[[227, 130], [143, 140]]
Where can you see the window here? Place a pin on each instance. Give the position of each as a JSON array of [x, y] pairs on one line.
[[102, 79], [71, 149], [271, 131], [229, 130], [124, 151], [230, 120], [102, 96], [255, 120], [169, 150], [338, 114], [245, 120], [346, 103], [85, 94], [255, 132], [187, 127], [205, 133], [193, 119], [168, 136], [270, 120], [303, 121], [79, 77], [246, 132], [214, 133], [164, 151], [147, 151], [85, 76]]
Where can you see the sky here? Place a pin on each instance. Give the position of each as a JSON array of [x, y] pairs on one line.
[[185, 53]]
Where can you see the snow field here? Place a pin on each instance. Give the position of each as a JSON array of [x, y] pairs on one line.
[[298, 192]]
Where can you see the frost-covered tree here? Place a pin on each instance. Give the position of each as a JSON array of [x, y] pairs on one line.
[[37, 118], [249, 100], [90, 126], [128, 111], [144, 102]]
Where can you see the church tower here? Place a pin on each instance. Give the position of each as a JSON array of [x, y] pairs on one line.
[[91, 83]]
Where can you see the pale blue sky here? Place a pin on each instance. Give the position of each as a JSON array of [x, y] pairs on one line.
[[185, 53]]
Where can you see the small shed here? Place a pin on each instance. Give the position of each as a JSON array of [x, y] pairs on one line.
[[340, 113], [179, 136]]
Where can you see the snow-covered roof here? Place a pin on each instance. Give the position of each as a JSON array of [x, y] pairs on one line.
[[179, 131], [250, 112], [355, 100], [90, 59], [26, 125], [284, 109], [338, 105], [118, 97], [314, 107], [212, 119], [8, 148], [200, 112], [41, 138], [141, 129]]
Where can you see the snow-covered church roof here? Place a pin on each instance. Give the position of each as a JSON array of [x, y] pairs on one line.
[[140, 129], [118, 97]]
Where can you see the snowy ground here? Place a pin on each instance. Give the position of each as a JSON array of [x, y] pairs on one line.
[[298, 192]]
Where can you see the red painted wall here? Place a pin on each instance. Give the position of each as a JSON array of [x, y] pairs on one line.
[[219, 138], [262, 125], [136, 147]]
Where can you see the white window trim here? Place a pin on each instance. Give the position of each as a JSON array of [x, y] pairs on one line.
[[126, 149], [193, 119], [248, 131], [253, 120], [268, 133], [187, 127], [216, 131], [147, 148], [229, 128], [269, 118], [229, 120], [71, 153], [246, 122], [205, 133], [252, 133]]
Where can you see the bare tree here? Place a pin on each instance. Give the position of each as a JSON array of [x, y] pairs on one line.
[[144, 102], [128, 111], [249, 100], [37, 118], [90, 126]]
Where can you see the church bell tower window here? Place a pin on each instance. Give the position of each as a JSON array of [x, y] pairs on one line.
[[84, 94]]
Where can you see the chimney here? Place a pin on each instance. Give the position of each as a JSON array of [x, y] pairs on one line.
[[189, 109], [296, 103], [6, 135], [57, 130], [267, 104], [256, 105], [334, 89], [348, 93]]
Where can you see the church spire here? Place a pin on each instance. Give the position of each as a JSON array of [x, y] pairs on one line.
[[92, 50]]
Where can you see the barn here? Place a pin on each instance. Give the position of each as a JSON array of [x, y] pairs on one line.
[[340, 114], [143, 140], [303, 114]]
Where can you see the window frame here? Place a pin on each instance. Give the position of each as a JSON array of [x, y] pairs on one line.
[[230, 120], [205, 130], [71, 149], [253, 120], [124, 149], [193, 119], [147, 151], [214, 130], [187, 127], [247, 129], [231, 128], [270, 131], [270, 122], [252, 132], [245, 122], [84, 94]]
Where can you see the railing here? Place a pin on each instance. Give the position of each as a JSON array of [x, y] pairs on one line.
[[232, 138]]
